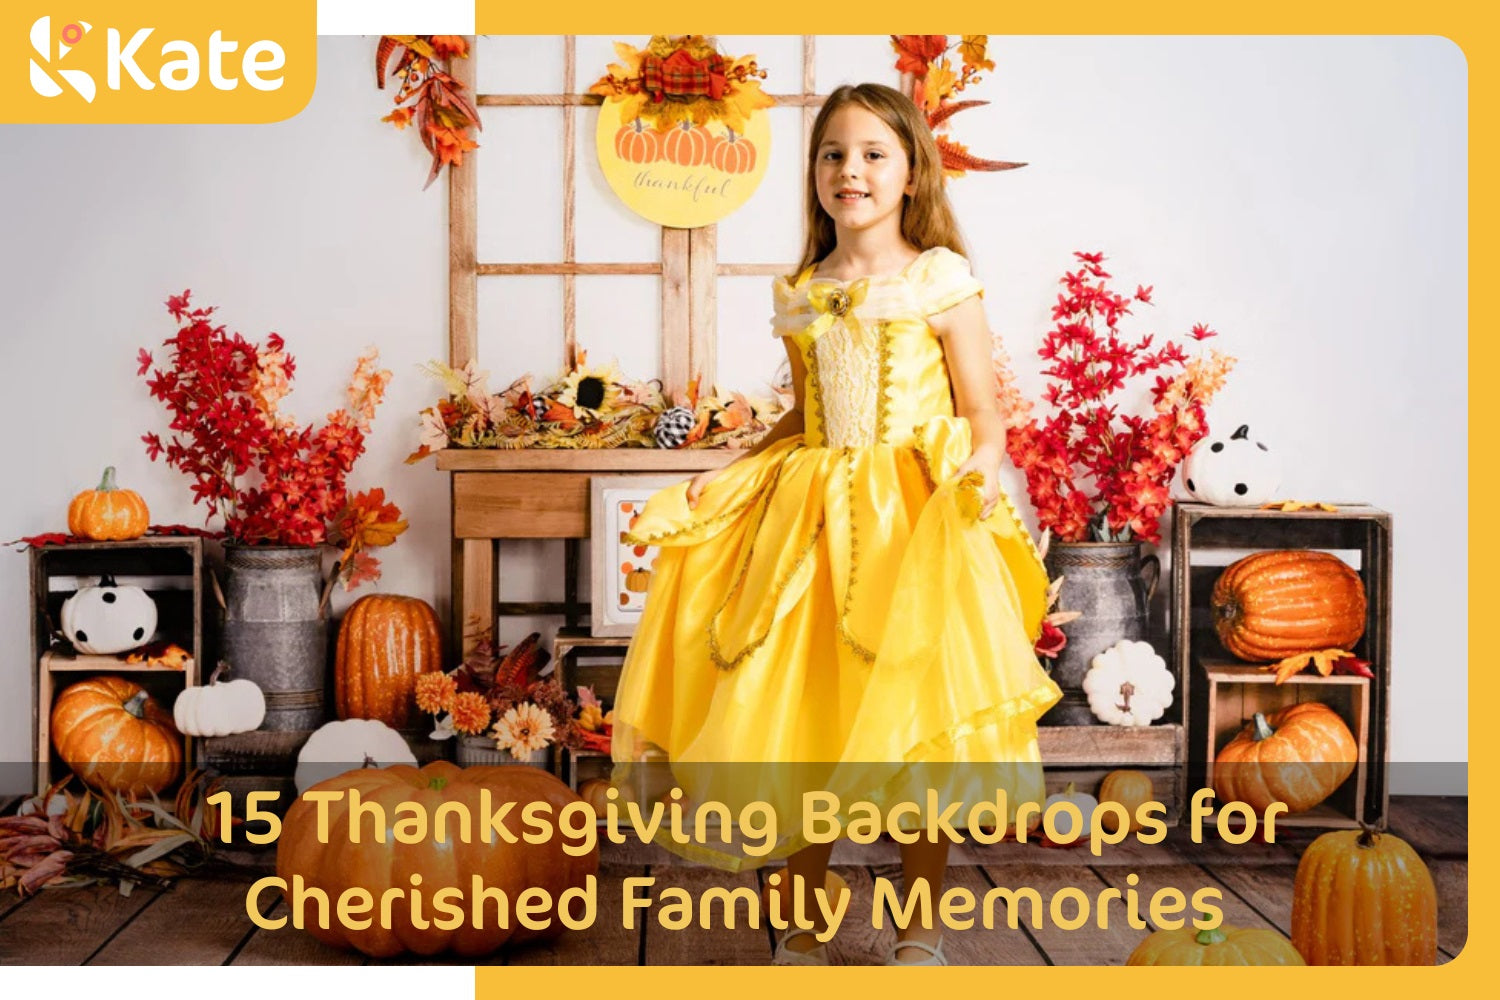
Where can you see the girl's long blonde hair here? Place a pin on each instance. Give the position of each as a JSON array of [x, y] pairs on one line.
[[927, 218]]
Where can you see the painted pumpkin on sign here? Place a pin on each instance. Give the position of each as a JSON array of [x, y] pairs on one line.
[[686, 145], [638, 143], [385, 641], [116, 737], [733, 154], [512, 868]]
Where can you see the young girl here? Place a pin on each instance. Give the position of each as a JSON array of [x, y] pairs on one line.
[[854, 595]]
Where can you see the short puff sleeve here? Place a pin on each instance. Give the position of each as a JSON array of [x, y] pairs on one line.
[[792, 313], [941, 280]]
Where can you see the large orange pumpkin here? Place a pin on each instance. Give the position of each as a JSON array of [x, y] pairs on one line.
[[385, 641], [108, 513], [1364, 898], [1272, 604], [1298, 756], [1224, 945], [115, 736], [512, 868]]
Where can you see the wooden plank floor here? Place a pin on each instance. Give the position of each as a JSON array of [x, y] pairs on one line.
[[203, 921]]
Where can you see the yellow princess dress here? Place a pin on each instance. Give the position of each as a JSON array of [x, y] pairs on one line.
[[832, 614]]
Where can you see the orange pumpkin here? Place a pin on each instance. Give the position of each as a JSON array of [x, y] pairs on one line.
[[1224, 945], [635, 143], [512, 868], [638, 581], [115, 736], [1131, 789], [733, 154], [1364, 898], [1298, 755], [385, 641], [686, 145], [1272, 604], [108, 513], [593, 792]]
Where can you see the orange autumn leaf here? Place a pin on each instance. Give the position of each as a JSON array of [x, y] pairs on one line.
[[369, 521], [400, 118], [449, 46], [1323, 660], [974, 48], [450, 144], [941, 83], [915, 52]]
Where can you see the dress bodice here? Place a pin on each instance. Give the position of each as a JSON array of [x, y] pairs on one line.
[[875, 368]]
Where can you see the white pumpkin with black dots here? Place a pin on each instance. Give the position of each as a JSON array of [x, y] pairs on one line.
[[108, 618], [1233, 471]]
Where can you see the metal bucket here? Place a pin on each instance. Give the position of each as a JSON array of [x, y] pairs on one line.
[[1112, 584], [274, 632]]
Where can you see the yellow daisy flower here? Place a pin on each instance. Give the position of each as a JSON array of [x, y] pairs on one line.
[[591, 393]]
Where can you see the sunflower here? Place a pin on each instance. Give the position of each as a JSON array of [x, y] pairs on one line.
[[523, 729], [591, 393]]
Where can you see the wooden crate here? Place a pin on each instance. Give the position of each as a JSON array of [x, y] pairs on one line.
[[1083, 755], [1205, 539], [1233, 692], [169, 569]]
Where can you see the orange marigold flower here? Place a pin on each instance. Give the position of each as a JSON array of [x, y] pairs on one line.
[[435, 691], [471, 713]]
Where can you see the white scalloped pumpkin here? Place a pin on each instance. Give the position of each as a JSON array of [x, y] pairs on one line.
[[220, 708], [344, 746], [1128, 684], [108, 618]]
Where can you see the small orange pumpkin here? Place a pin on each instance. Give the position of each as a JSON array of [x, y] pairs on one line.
[[1364, 898], [1298, 755], [635, 143], [1270, 605], [593, 792], [1224, 945], [1131, 789], [686, 145], [108, 513], [638, 581], [385, 641], [115, 736], [733, 154]]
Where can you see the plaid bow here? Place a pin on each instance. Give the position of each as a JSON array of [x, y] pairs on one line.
[[680, 75]]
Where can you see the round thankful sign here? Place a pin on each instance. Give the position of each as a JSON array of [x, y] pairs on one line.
[[687, 175]]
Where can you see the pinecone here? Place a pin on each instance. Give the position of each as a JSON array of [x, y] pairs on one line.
[[673, 426]]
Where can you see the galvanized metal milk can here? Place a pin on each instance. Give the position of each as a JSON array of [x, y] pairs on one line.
[[275, 632]]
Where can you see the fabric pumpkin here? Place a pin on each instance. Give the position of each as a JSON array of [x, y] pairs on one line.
[[1364, 898], [108, 513], [1128, 684], [1224, 945], [116, 737], [512, 868], [1131, 789], [220, 708], [1299, 756], [108, 618], [1270, 605], [338, 747], [385, 641]]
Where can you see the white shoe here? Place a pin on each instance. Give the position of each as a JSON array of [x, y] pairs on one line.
[[786, 956], [935, 954]]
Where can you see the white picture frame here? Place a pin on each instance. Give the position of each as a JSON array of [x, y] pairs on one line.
[[616, 600]]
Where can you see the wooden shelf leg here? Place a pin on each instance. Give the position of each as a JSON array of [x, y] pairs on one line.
[[474, 583]]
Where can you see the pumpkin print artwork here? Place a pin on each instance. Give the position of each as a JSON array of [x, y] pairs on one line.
[[1224, 945], [633, 562], [374, 867], [1364, 898], [1270, 605], [115, 736], [385, 641], [108, 513], [1299, 755], [638, 143]]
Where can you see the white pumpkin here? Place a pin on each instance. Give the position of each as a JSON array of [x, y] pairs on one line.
[[1233, 471], [1128, 684], [108, 618], [344, 746], [1086, 804], [220, 708]]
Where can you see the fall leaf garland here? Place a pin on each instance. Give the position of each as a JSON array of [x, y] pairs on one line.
[[443, 115], [932, 82]]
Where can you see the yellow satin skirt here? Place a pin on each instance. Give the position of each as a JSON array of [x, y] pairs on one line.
[[836, 620]]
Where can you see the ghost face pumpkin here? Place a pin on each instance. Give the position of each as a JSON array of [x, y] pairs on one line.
[[1236, 471], [108, 618]]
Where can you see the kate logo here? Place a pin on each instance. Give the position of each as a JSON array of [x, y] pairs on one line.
[[41, 43]]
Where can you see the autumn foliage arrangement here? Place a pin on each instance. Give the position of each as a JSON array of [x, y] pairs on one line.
[[272, 480], [428, 96], [1094, 473], [933, 82]]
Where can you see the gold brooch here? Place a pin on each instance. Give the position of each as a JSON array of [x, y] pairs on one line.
[[838, 302]]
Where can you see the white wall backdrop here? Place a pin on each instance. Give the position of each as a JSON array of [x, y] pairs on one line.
[[1307, 197]]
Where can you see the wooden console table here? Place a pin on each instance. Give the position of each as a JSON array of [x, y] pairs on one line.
[[534, 493]]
